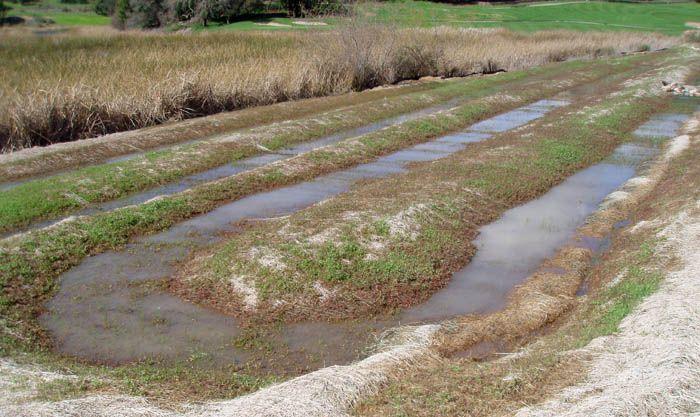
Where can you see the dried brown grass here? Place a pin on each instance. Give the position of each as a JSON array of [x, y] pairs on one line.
[[73, 86]]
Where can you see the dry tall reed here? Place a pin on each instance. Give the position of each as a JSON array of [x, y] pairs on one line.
[[68, 87]]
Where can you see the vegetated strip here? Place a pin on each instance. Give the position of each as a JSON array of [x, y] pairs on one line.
[[66, 193], [392, 243], [30, 263], [42, 160]]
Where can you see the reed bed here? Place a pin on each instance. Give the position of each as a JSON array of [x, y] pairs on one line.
[[67, 87]]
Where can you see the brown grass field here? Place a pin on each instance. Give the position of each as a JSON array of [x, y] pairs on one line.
[[67, 87]]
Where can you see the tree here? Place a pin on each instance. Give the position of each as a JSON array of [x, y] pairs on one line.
[[105, 7], [3, 12], [294, 7], [143, 14], [146, 13], [184, 10], [121, 13], [206, 10]]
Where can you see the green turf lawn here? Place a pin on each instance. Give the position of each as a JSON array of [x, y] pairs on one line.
[[63, 14], [575, 15]]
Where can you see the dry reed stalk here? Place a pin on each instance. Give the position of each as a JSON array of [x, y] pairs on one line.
[[63, 88]]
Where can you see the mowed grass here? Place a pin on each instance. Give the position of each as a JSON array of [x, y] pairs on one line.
[[665, 18], [62, 14]]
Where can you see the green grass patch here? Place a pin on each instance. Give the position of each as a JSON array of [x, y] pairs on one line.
[[667, 18], [269, 24], [63, 14], [619, 301]]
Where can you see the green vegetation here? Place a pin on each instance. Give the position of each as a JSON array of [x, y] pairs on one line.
[[268, 24], [159, 13], [668, 18], [45, 12], [638, 280]]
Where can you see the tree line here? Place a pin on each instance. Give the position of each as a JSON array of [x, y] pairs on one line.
[[158, 13]]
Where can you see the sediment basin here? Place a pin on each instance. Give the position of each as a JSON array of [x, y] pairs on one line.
[[107, 311]]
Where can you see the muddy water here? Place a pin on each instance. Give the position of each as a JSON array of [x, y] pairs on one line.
[[103, 312]]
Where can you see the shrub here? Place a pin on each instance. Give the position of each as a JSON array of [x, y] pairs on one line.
[[3, 11], [692, 35], [183, 10], [299, 8], [105, 7], [121, 13], [146, 13]]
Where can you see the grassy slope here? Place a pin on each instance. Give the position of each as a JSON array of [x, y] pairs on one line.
[[63, 14], [666, 18]]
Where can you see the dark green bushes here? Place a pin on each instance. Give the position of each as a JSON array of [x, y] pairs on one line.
[[156, 13]]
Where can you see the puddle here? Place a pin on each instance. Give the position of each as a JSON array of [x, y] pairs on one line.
[[232, 168], [535, 230], [98, 314], [12, 184], [512, 248], [622, 224], [664, 125], [513, 119]]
